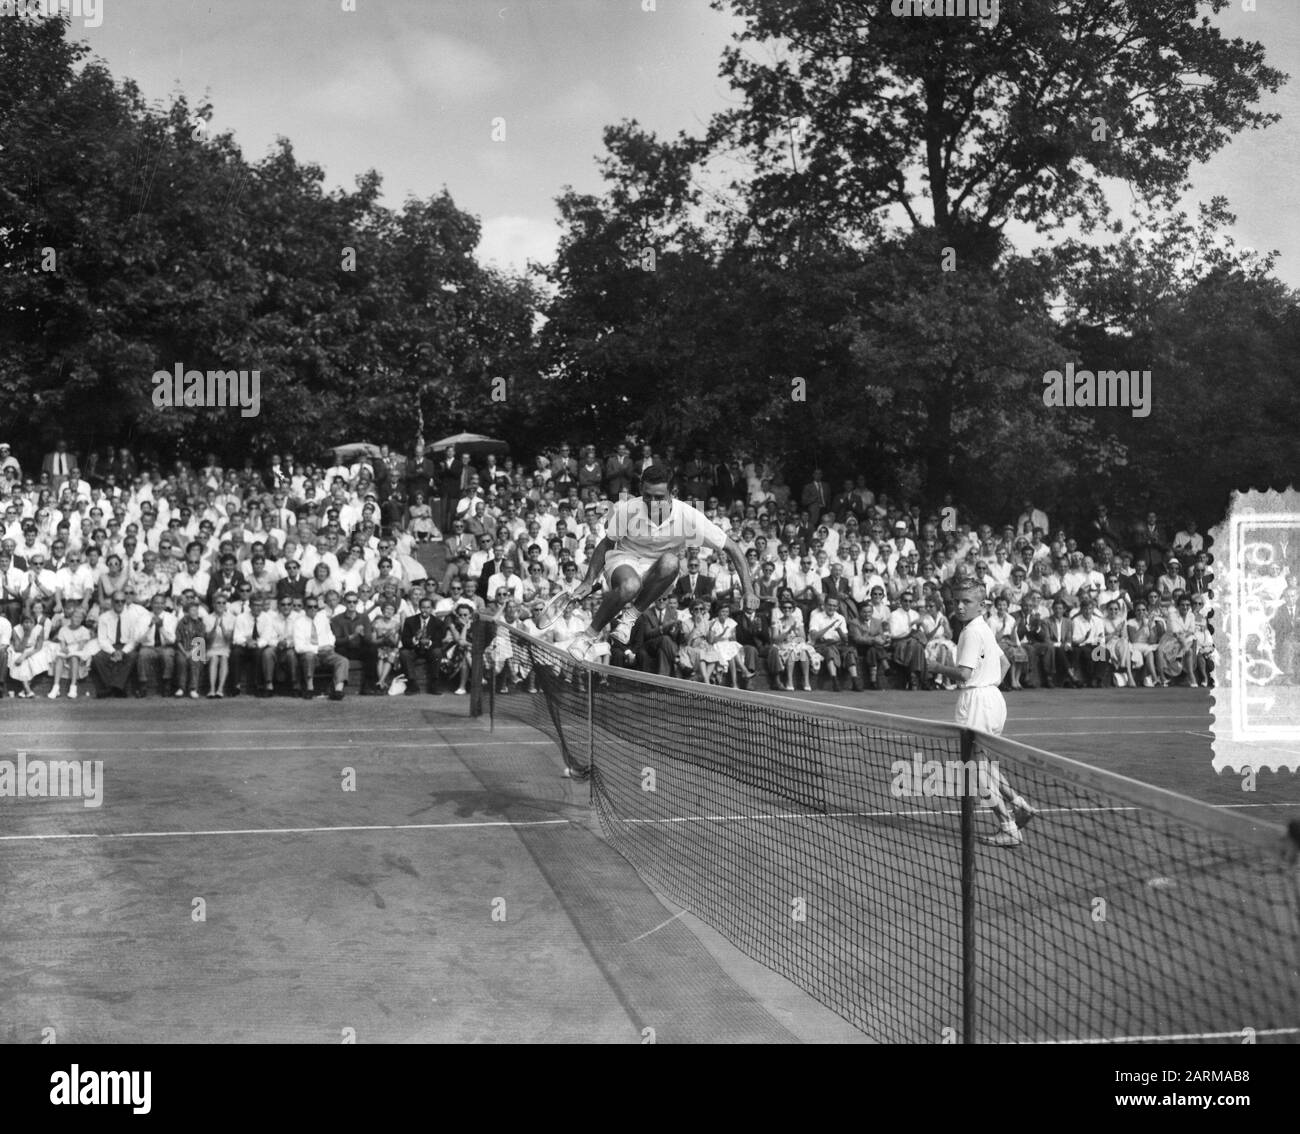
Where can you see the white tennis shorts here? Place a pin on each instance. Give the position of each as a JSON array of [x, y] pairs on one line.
[[982, 707], [639, 563]]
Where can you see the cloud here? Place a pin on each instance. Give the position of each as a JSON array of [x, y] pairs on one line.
[[588, 102], [451, 70], [509, 242], [364, 89]]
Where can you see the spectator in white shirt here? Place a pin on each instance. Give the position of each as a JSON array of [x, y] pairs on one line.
[[828, 633], [1087, 632], [313, 644]]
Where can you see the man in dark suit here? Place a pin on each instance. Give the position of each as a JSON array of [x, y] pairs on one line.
[[618, 473], [421, 476], [731, 484], [816, 496], [647, 638], [1139, 583], [493, 566], [422, 635], [448, 479], [228, 579], [846, 503], [293, 585], [59, 464], [456, 539], [1149, 542], [1286, 636], [754, 633], [836, 584], [696, 478], [693, 583]]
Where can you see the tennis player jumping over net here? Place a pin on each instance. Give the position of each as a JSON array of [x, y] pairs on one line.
[[639, 554], [981, 666]]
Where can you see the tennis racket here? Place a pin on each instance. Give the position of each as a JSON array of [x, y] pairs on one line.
[[556, 607]]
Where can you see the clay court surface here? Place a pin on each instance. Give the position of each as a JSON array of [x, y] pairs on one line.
[[461, 892]]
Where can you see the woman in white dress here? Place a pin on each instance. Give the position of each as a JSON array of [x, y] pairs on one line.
[[1118, 648], [1007, 632], [790, 637], [1143, 643], [76, 645], [939, 647], [1182, 627], [721, 648], [29, 653]]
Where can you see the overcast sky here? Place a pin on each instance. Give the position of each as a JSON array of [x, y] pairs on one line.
[[411, 88]]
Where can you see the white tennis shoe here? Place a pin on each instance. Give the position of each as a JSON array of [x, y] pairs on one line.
[[582, 645], [622, 632]]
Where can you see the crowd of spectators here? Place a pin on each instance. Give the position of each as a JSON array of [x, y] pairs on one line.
[[223, 581]]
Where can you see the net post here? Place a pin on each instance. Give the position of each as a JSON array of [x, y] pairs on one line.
[[591, 719], [476, 671], [967, 898]]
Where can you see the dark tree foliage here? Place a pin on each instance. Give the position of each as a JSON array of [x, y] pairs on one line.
[[169, 247]]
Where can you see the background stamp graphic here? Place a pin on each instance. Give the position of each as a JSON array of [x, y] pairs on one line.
[[1257, 633]]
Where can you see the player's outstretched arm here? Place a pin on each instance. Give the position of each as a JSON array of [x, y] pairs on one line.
[[737, 557]]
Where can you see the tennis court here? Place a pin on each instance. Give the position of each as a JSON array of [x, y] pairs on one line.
[[462, 892]]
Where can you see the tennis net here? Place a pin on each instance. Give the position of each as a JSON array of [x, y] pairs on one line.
[[838, 847]]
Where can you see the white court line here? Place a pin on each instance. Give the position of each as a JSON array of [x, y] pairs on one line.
[[1099, 732], [1118, 717], [657, 928], [852, 815], [1238, 1034], [286, 830], [333, 730], [188, 748]]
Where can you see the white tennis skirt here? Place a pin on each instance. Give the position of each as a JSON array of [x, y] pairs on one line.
[[982, 707]]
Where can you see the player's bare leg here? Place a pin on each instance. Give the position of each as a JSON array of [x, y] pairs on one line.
[[1010, 808], [628, 596]]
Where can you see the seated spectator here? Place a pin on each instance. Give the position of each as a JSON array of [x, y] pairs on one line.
[[29, 649], [828, 633], [790, 640], [1182, 630], [313, 644], [76, 646], [1087, 632], [119, 634], [422, 640], [456, 647], [157, 646], [936, 632], [1006, 631], [907, 647], [1144, 634]]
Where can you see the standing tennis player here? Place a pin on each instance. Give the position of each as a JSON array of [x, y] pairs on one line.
[[639, 554], [981, 666]]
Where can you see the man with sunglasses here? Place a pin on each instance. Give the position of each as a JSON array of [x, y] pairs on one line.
[[640, 553]]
